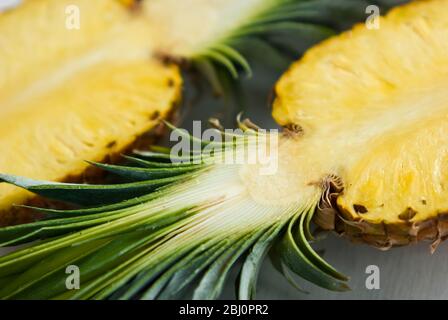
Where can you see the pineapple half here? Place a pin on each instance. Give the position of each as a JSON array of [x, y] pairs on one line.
[[373, 104], [363, 152], [69, 95], [81, 80]]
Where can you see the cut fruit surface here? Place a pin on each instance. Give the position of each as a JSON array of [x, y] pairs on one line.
[[374, 104]]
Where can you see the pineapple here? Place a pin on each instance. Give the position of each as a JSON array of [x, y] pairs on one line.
[[362, 153], [81, 80]]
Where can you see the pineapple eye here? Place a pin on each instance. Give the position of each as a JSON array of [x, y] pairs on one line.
[[360, 208], [407, 214]]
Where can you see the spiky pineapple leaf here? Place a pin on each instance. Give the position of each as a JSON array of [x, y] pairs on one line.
[[294, 256], [140, 162], [212, 282], [188, 271], [87, 194], [302, 241], [48, 266], [142, 174], [247, 279], [201, 253], [91, 265]]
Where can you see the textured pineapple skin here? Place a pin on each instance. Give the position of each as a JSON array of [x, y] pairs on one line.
[[374, 104], [382, 235], [67, 96]]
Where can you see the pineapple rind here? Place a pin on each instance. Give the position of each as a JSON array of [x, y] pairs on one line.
[[383, 235]]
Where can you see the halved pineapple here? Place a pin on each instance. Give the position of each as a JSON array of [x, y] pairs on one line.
[[374, 105]]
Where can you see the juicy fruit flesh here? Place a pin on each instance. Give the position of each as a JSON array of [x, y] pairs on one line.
[[374, 105], [404, 170], [72, 95]]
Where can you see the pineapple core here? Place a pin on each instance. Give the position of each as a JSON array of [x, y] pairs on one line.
[[373, 106]]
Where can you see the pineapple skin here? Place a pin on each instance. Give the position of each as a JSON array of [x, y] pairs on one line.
[[373, 104], [385, 235]]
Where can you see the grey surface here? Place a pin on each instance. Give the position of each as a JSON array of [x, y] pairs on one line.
[[405, 273]]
